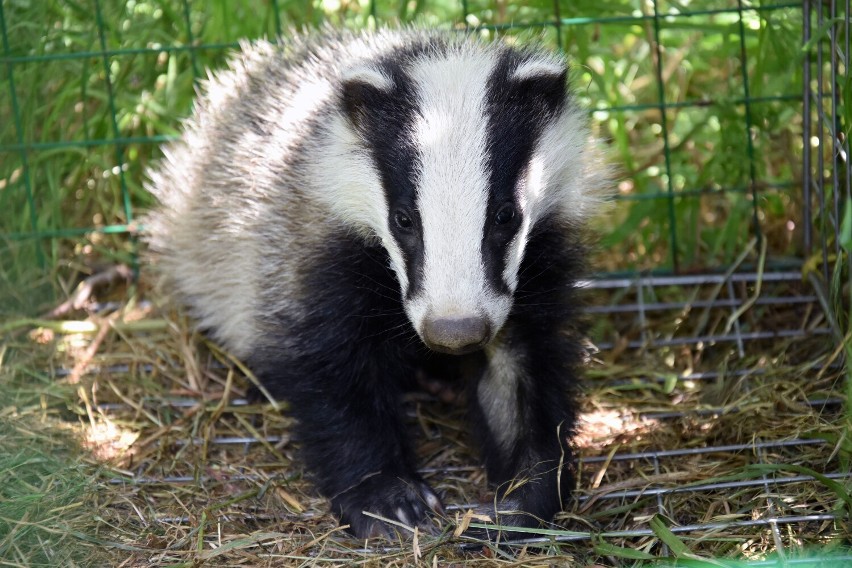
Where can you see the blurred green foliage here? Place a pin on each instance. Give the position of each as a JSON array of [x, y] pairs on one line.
[[90, 88]]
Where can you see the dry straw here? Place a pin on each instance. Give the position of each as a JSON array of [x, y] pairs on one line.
[[686, 449]]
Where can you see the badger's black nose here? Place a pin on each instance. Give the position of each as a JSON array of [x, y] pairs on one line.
[[456, 335]]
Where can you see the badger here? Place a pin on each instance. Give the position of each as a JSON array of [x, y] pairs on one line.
[[348, 211]]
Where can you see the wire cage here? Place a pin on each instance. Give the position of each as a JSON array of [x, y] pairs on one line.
[[716, 420]]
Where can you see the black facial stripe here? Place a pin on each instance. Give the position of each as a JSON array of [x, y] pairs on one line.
[[385, 119], [518, 111]]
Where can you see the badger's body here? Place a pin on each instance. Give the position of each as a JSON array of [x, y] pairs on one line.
[[336, 196]]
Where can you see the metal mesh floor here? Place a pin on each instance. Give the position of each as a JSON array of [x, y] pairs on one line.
[[693, 376]]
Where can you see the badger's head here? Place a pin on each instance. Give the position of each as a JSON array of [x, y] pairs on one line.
[[451, 155]]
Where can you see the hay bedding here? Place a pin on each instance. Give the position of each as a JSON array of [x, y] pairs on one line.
[[193, 475]]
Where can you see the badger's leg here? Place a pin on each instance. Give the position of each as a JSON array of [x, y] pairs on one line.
[[362, 459], [353, 439], [340, 354], [346, 404], [524, 411]]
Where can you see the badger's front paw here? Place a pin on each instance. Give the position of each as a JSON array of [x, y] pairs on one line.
[[396, 498]]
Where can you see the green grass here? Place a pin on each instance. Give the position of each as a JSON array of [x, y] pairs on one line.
[[45, 495]]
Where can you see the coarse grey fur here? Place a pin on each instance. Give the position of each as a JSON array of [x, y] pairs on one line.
[[274, 170]]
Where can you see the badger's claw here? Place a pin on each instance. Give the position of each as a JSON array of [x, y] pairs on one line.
[[508, 513], [405, 500]]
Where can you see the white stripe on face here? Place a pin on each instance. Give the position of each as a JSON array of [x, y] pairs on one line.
[[452, 198]]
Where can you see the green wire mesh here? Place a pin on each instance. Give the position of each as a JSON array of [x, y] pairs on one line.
[[699, 101]]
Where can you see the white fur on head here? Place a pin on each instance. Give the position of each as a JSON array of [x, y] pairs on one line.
[[347, 178], [450, 133], [367, 74], [566, 175], [452, 191], [538, 67]]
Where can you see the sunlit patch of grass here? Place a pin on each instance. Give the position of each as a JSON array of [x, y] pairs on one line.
[[45, 497]]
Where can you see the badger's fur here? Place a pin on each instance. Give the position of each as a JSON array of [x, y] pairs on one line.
[[336, 196]]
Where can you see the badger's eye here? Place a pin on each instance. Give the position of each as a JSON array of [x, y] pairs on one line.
[[505, 214], [402, 220]]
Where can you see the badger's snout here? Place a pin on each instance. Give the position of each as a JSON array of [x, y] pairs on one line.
[[456, 335]]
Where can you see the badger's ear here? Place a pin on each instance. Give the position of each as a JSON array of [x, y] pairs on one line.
[[362, 88], [542, 80]]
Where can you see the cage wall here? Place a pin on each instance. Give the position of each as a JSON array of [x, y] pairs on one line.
[[716, 404]]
